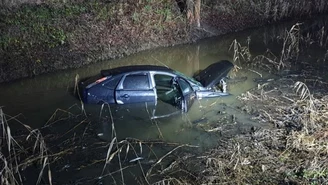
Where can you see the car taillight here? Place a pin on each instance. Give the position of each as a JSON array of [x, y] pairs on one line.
[[101, 80]]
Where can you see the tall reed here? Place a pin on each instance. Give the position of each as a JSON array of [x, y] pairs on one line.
[[16, 157]]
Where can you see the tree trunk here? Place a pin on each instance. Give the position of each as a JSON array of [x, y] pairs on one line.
[[197, 12], [190, 11], [193, 11]]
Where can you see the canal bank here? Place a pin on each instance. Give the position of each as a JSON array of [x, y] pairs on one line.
[[43, 37]]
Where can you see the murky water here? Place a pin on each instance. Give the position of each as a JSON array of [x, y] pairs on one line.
[[207, 121], [37, 99]]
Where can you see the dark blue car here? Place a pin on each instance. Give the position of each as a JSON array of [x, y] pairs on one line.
[[149, 83]]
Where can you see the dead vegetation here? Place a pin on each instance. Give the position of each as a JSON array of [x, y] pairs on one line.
[[20, 153], [68, 144], [295, 151]]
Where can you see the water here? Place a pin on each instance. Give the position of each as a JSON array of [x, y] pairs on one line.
[[206, 123], [37, 99]]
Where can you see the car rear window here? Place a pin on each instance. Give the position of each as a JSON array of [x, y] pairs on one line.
[[92, 79], [112, 82], [136, 82]]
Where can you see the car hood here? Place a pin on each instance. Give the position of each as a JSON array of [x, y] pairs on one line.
[[214, 73]]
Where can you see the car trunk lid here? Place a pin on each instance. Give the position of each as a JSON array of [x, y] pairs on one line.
[[212, 75]]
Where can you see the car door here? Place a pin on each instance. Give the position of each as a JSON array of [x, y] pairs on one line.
[[135, 88], [188, 94], [166, 95]]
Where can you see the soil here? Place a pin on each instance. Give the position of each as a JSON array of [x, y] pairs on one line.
[[42, 38]]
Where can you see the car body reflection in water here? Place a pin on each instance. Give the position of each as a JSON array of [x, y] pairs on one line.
[[154, 85]]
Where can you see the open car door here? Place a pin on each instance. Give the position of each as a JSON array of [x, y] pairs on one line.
[[188, 95], [179, 99]]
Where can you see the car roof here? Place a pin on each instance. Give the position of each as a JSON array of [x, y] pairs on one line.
[[134, 68]]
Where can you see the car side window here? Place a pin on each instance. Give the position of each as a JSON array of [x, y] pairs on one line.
[[136, 82], [185, 86]]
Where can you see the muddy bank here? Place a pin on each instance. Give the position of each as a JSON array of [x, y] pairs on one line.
[[46, 37]]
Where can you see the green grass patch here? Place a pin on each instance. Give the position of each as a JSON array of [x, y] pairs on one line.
[[35, 26]]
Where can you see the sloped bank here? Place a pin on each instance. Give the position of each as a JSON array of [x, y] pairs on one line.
[[46, 37]]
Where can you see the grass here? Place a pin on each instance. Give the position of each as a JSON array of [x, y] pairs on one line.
[[134, 147], [44, 36], [38, 26], [66, 143], [240, 53], [273, 10], [294, 152], [16, 157], [291, 46], [46, 25]]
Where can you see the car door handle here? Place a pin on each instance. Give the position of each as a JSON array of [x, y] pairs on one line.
[[125, 96]]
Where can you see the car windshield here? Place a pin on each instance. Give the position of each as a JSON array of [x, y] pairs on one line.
[[188, 78]]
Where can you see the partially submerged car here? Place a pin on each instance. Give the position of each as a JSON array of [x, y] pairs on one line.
[[150, 83]]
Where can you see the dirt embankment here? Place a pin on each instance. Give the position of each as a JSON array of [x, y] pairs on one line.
[[46, 37]]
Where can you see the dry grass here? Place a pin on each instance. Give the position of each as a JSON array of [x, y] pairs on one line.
[[294, 43], [291, 46], [16, 157], [240, 53], [269, 9], [70, 144], [295, 151], [133, 148]]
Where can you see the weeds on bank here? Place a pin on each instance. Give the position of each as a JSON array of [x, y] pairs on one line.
[[37, 26], [292, 40], [54, 24], [291, 45], [296, 151], [240, 53], [305, 117], [298, 114], [272, 10]]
